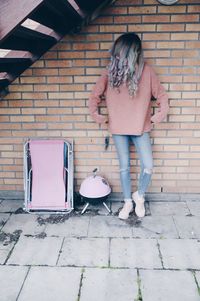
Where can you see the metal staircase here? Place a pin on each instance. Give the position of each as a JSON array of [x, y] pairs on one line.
[[55, 19]]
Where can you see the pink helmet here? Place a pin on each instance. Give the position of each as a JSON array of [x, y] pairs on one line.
[[94, 187]]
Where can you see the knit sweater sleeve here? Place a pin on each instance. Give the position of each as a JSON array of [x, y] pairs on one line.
[[96, 98], [161, 97]]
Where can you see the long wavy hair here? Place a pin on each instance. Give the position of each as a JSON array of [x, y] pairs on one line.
[[127, 62]]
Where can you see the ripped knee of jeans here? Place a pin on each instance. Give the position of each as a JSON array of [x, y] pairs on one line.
[[126, 169], [148, 170]]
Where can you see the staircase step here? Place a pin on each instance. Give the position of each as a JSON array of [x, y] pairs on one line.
[[58, 15], [14, 65], [4, 82], [12, 14], [27, 39]]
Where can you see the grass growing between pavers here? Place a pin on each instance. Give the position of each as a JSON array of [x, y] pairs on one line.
[[80, 284], [195, 279], [160, 254], [139, 296]]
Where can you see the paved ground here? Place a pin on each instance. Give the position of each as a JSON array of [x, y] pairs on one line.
[[97, 257]]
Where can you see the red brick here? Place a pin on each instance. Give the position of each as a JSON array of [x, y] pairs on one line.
[[127, 19], [112, 28], [103, 20], [142, 28], [184, 36], [169, 62], [156, 36], [98, 37], [185, 53], [170, 27], [70, 54], [169, 44], [194, 8], [172, 9], [86, 46], [59, 79], [142, 10], [45, 71], [115, 10], [58, 63]]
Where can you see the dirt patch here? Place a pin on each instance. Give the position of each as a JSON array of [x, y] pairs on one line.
[[133, 221], [40, 235], [8, 238], [19, 211], [53, 219]]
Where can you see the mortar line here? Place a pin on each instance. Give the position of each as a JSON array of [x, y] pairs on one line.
[[80, 284], [88, 225], [23, 283], [109, 248], [197, 284], [60, 251], [139, 296], [176, 227]]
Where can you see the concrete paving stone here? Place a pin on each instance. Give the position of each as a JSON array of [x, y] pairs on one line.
[[188, 226], [134, 253], [163, 285], [155, 227], [25, 222], [36, 251], [11, 280], [3, 219], [194, 207], [84, 252], [109, 285], [162, 197], [74, 226], [51, 284], [194, 197], [169, 208], [11, 205], [108, 226], [180, 253]]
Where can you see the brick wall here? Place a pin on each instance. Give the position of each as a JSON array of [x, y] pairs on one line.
[[50, 99]]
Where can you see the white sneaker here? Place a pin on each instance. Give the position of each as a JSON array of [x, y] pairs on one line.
[[139, 204], [127, 208]]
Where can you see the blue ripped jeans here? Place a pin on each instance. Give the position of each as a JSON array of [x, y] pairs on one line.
[[143, 147]]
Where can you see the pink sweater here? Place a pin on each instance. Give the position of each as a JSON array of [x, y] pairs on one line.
[[130, 115]]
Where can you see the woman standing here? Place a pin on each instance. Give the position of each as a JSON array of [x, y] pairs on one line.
[[128, 85]]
